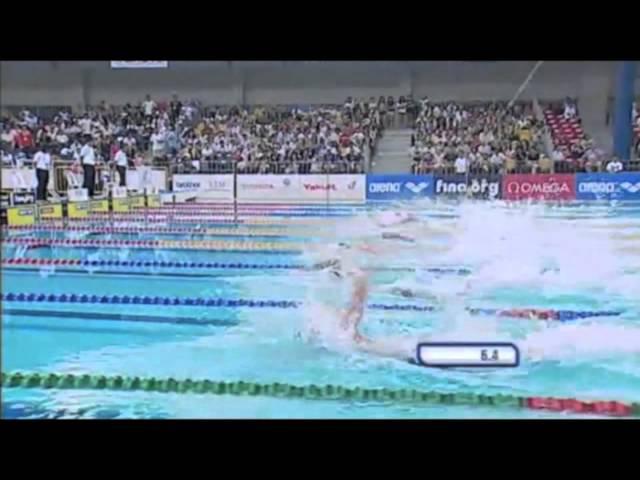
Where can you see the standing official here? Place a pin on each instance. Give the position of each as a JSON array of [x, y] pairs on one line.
[[88, 158], [120, 159], [42, 160]]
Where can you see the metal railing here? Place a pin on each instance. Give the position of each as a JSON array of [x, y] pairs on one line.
[[267, 167], [557, 167], [63, 176]]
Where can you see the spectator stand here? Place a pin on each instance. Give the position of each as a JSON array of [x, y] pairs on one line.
[[273, 140], [636, 130], [573, 149], [477, 137]]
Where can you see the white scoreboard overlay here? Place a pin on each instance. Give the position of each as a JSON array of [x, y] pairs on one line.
[[468, 354]]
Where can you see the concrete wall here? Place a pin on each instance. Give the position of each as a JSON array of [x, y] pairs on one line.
[[39, 83], [76, 83]]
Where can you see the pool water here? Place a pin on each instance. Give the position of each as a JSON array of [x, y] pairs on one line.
[[556, 257]]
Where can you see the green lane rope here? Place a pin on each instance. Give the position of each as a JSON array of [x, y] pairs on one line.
[[309, 392]]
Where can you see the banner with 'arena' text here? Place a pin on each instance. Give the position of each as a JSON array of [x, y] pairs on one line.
[[608, 186]]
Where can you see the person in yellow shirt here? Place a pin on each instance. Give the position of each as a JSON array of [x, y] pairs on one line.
[[525, 134]]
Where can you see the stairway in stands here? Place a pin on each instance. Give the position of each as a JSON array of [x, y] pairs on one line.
[[392, 155]]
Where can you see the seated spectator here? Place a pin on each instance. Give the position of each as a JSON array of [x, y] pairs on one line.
[[7, 158], [484, 131], [148, 106], [614, 166], [569, 109], [262, 137], [557, 155], [461, 164]]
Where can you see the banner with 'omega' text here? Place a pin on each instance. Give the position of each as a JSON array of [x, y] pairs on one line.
[[539, 187]]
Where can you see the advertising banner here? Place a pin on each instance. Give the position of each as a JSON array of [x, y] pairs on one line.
[[50, 212], [23, 198], [475, 186], [78, 209], [20, 179], [118, 192], [301, 188], [25, 215], [137, 201], [78, 195], [140, 64], [99, 206], [269, 188], [539, 187], [399, 187], [121, 205], [333, 188], [5, 199], [146, 177], [608, 186], [153, 201], [218, 187]]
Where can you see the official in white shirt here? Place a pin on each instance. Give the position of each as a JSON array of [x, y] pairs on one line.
[[88, 159], [121, 165], [42, 160], [615, 166], [461, 165]]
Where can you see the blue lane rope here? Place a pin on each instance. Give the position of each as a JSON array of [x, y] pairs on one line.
[[177, 301], [119, 317], [220, 265], [560, 315]]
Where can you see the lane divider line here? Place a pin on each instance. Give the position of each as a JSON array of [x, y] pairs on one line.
[[68, 381], [264, 232], [22, 262], [211, 245], [524, 313]]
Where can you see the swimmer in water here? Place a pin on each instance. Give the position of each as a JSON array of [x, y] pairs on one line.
[[349, 320], [390, 219], [555, 342]]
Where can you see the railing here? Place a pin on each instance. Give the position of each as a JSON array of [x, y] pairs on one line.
[[63, 175], [265, 168], [557, 167]]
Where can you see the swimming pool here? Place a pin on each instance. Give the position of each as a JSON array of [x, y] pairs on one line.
[[571, 257]]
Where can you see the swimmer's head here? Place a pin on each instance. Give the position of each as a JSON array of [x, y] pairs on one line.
[[395, 218]]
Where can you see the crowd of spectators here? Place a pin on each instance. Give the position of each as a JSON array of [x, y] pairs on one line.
[[131, 128], [188, 137], [574, 151], [478, 138], [292, 140]]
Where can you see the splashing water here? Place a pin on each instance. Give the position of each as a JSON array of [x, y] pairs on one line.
[[525, 248]]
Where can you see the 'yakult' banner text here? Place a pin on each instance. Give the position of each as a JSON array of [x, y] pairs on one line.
[[301, 188]]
